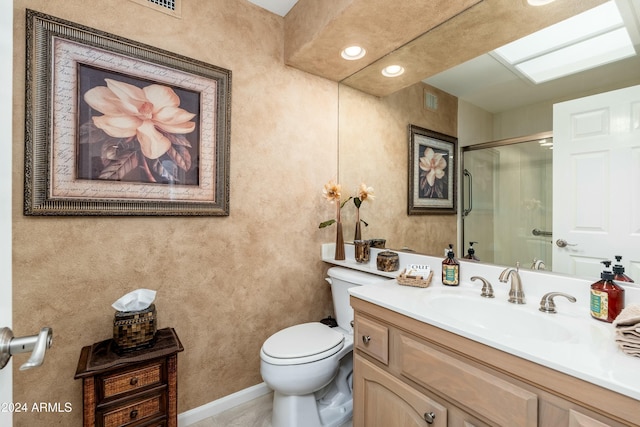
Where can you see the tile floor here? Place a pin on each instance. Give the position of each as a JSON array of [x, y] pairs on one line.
[[256, 413]]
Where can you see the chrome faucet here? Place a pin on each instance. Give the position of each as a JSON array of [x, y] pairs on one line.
[[547, 305], [538, 264], [516, 294]]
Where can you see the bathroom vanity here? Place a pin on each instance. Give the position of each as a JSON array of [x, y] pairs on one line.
[[445, 356], [407, 372]]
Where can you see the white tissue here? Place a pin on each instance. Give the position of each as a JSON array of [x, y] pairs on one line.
[[137, 300]]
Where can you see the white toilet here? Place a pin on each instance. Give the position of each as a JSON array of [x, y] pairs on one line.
[[309, 366]]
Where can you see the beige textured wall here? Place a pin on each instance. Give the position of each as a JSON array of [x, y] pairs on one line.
[[225, 284], [374, 148]]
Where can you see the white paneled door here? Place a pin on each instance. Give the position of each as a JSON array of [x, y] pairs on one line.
[[6, 61], [596, 176]]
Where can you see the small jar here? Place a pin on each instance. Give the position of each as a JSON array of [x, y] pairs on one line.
[[377, 243], [388, 261], [361, 250]]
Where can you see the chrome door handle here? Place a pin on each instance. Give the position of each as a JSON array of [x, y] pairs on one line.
[[37, 344], [366, 339], [563, 243]]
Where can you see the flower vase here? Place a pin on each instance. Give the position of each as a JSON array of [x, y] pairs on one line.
[[358, 235], [339, 256]]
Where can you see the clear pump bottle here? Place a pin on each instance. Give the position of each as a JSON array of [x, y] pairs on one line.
[[450, 269], [607, 298]]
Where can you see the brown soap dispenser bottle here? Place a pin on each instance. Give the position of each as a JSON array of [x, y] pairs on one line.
[[607, 298], [618, 271], [450, 269], [471, 253]]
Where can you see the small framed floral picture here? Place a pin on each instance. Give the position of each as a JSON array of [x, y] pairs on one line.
[[115, 127], [432, 172]]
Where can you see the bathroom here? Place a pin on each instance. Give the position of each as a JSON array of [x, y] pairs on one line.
[[224, 283]]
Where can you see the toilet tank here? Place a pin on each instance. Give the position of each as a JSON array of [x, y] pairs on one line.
[[341, 280]]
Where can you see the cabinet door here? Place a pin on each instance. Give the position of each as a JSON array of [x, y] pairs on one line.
[[381, 400], [576, 419]]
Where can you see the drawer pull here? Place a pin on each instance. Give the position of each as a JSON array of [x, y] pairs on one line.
[[366, 339], [134, 413], [133, 381], [429, 417]]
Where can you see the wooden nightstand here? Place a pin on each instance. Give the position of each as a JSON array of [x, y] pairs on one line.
[[134, 389]]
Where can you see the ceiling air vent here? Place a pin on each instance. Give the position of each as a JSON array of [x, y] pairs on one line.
[[171, 7]]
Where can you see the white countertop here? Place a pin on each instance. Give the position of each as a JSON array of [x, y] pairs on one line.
[[590, 353]]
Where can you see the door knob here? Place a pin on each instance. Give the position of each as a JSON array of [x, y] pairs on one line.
[[563, 243], [36, 344]]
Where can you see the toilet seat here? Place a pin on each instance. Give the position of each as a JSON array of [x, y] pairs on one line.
[[305, 343]]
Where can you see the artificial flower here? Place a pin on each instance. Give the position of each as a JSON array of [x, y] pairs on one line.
[[364, 193], [145, 113], [332, 191]]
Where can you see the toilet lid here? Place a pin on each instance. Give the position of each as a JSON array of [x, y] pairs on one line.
[[302, 340]]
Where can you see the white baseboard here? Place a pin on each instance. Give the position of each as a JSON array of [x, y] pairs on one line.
[[210, 409]]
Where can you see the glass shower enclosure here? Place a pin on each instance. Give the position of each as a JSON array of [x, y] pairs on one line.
[[507, 200]]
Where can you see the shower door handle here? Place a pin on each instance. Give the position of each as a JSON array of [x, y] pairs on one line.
[[467, 211]]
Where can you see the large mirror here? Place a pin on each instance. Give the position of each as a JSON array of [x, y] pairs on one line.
[[478, 101]]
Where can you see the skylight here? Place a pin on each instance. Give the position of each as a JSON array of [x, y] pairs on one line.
[[588, 40]]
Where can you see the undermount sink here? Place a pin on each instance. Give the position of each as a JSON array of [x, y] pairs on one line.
[[496, 318]]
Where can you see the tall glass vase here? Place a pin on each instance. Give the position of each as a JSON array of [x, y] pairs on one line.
[[339, 256]]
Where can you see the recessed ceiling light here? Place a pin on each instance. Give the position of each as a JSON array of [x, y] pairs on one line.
[[352, 53], [392, 71], [539, 2]]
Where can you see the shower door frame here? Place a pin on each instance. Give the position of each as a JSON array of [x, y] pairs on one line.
[[481, 146]]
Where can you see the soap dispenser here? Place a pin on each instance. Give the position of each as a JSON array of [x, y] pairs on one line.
[[471, 253], [607, 298], [618, 272], [450, 269]]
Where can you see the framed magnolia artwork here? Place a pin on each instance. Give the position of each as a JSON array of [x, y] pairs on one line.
[[432, 172], [115, 127]]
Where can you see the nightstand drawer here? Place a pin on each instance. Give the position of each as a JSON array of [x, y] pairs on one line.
[[139, 410], [372, 338], [114, 385]]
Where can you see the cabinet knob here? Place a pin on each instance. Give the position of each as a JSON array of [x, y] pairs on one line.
[[429, 417], [133, 414], [366, 339], [133, 381]]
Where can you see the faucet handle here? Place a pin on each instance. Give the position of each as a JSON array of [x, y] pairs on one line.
[[487, 289], [548, 306]]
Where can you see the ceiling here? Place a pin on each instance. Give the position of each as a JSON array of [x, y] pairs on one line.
[[279, 7], [488, 84]]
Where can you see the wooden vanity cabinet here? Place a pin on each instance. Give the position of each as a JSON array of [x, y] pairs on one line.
[[404, 369]]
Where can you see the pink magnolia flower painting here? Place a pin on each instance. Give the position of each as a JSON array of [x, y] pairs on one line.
[[136, 131]]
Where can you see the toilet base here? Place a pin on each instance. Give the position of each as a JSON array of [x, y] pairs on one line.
[[331, 406]]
